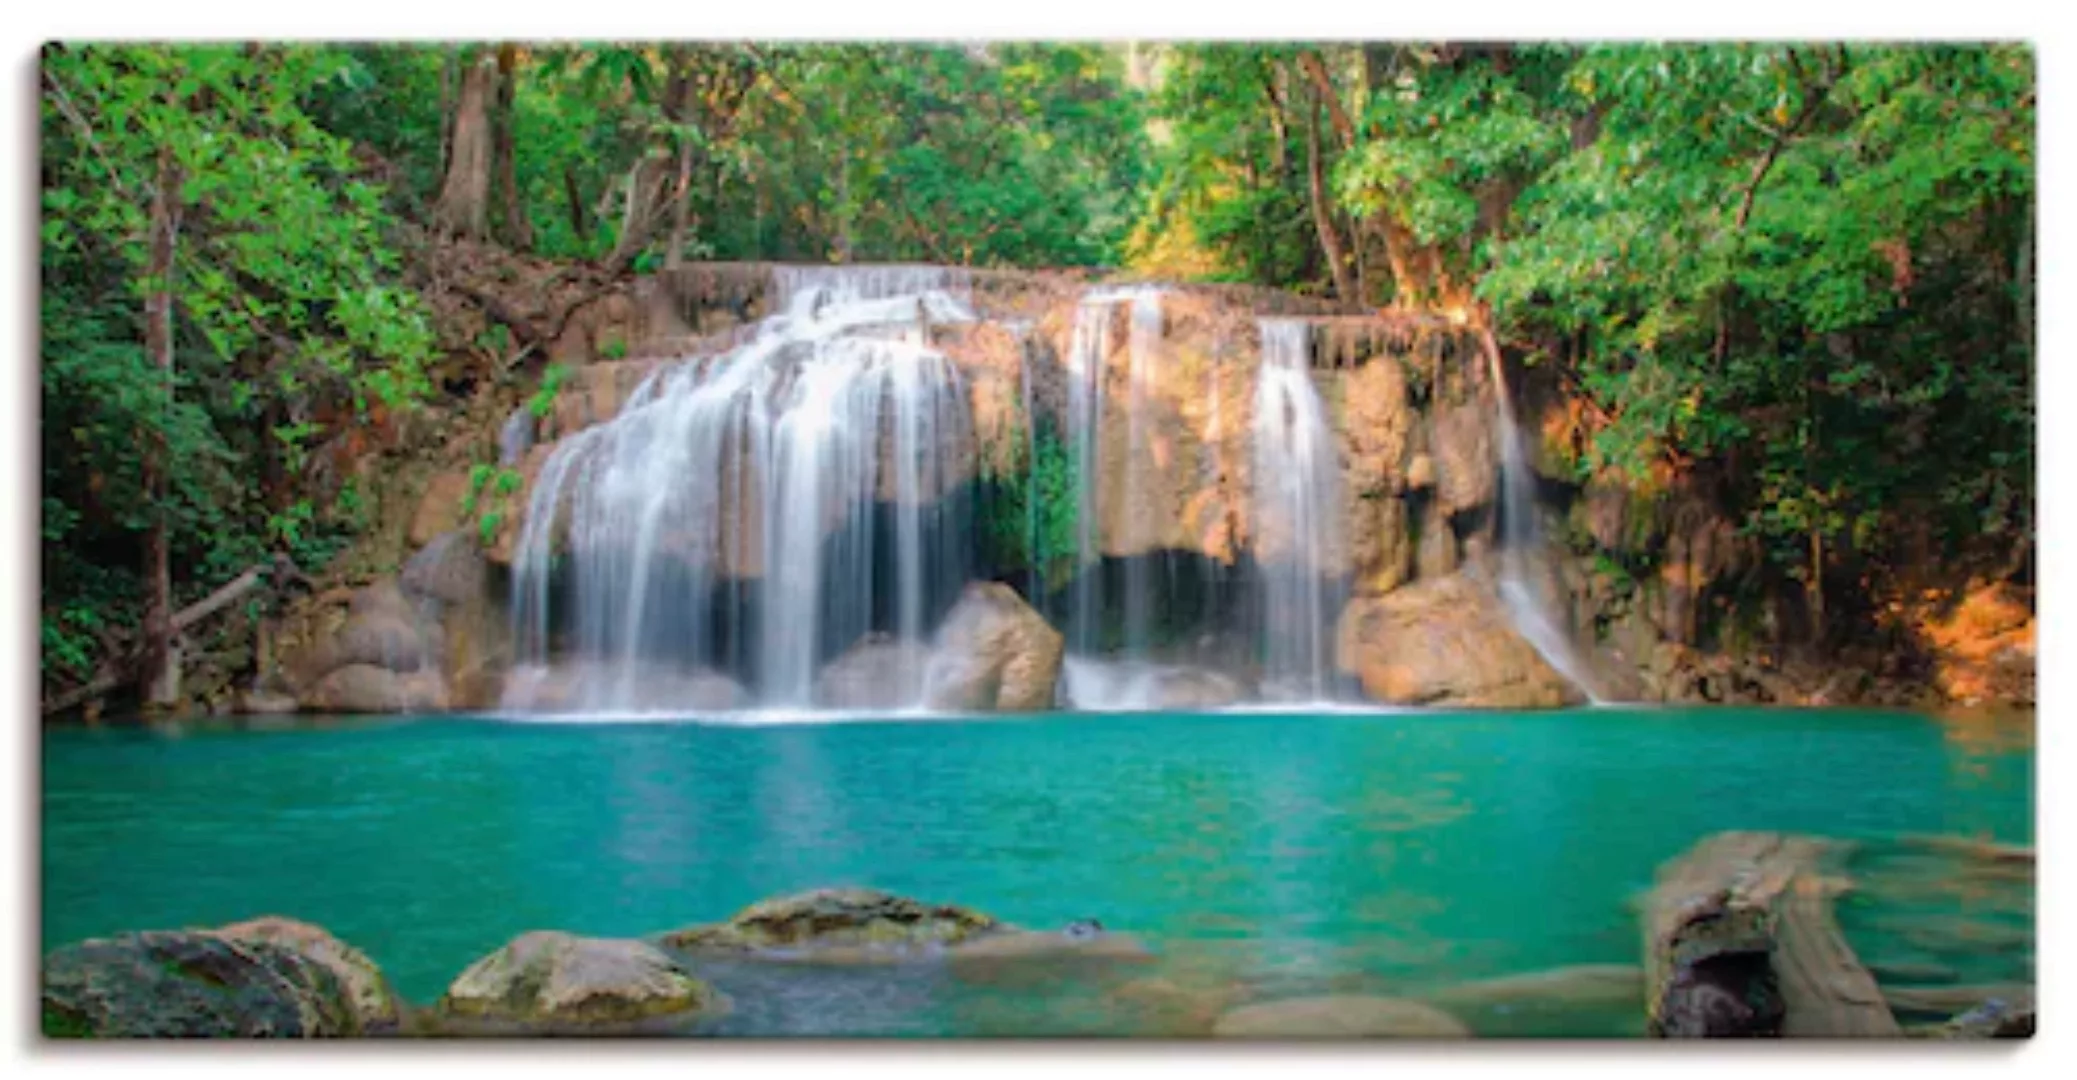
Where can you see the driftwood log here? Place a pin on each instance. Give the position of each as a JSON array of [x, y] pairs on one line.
[[120, 670], [1740, 941]]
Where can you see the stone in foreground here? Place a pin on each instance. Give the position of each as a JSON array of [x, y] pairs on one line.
[[1339, 1017], [194, 984], [374, 1002], [833, 923], [547, 981]]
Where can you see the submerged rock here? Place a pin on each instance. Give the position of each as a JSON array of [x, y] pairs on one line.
[[204, 984], [842, 923], [1445, 642], [994, 653], [548, 981], [1339, 1017]]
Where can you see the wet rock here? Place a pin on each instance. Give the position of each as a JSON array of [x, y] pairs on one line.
[[364, 688], [839, 924], [450, 569], [1161, 1006], [264, 703], [1558, 1000], [374, 1002], [568, 686], [1339, 1017], [549, 981], [193, 984], [879, 672], [994, 653], [1445, 642]]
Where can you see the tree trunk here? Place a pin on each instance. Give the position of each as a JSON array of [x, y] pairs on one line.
[[518, 233], [648, 183], [681, 206], [160, 664], [580, 222], [464, 205], [1323, 216]]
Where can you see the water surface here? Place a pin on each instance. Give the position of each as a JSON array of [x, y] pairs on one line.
[[1366, 852]]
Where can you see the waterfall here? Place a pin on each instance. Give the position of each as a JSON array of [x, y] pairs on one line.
[[1298, 529], [1522, 548], [1087, 366], [756, 511]]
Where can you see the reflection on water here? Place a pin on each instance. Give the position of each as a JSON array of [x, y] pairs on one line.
[[1258, 855]]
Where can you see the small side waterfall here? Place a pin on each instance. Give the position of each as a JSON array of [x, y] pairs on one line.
[[1087, 363], [1522, 548], [1298, 526], [733, 515]]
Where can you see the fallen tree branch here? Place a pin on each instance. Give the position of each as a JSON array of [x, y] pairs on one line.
[[118, 671]]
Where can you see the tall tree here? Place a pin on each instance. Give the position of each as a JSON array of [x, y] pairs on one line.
[[513, 228], [463, 208]]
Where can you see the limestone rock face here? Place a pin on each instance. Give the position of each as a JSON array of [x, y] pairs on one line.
[[1467, 463], [440, 507], [838, 920], [994, 653], [449, 569], [548, 980], [1435, 554], [374, 1002], [595, 394], [194, 984], [1339, 1017], [1444, 642]]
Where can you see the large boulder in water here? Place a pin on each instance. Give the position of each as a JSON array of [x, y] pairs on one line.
[[1339, 1017], [551, 981], [374, 1001], [827, 920], [880, 672], [1445, 642], [868, 926], [198, 984], [994, 653]]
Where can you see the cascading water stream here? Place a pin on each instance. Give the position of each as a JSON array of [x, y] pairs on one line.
[[1298, 526], [1521, 546], [730, 516], [1086, 680]]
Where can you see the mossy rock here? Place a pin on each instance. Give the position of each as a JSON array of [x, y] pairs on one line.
[[844, 923], [549, 982], [193, 984], [376, 1007]]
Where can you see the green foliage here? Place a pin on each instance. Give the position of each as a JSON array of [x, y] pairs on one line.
[[543, 400], [290, 322], [1029, 510], [1800, 273]]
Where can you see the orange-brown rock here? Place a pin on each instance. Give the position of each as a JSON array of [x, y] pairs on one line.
[[1446, 642]]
